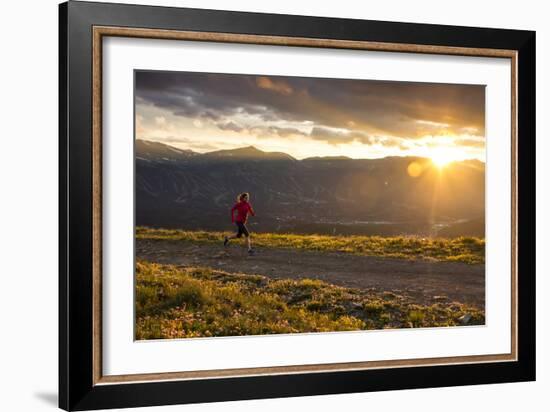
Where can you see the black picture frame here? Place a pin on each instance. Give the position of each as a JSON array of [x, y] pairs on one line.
[[77, 390]]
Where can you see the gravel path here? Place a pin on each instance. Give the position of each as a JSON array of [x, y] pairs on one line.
[[426, 281]]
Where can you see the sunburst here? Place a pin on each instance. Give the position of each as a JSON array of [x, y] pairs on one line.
[[441, 157]]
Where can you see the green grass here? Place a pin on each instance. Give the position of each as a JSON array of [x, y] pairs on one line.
[[460, 249], [174, 302]]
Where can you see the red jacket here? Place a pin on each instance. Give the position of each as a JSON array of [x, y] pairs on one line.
[[243, 209]]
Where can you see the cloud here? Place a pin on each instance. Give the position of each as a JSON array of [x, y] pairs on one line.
[[281, 87], [230, 126], [336, 137], [276, 131], [139, 125], [339, 137], [399, 109], [185, 143], [285, 131], [470, 142]]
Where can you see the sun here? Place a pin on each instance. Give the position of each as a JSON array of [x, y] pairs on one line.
[[441, 157]]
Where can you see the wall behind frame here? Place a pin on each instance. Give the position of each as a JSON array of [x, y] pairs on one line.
[[28, 218]]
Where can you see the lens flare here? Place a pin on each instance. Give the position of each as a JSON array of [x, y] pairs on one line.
[[414, 169]]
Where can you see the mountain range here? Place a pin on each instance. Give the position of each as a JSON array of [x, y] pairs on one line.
[[185, 189]]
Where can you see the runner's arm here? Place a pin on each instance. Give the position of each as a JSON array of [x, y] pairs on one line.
[[233, 214], [251, 210]]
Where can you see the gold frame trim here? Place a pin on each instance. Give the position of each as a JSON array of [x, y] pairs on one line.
[[101, 31]]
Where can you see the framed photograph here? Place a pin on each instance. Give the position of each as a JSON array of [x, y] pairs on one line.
[[256, 206]]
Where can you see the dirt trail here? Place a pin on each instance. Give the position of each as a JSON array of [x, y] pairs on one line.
[[424, 280]]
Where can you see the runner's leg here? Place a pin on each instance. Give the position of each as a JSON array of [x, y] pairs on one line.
[[234, 236], [245, 232]]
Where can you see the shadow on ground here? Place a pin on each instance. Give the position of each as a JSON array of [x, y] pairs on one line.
[[49, 398]]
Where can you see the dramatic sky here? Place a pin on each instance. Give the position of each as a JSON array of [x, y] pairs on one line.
[[310, 116]]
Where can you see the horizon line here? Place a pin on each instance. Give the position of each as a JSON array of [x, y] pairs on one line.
[[310, 157]]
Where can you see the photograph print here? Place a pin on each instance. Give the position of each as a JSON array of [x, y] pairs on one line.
[[275, 204]]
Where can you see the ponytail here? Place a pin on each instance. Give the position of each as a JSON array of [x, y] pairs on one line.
[[241, 196]]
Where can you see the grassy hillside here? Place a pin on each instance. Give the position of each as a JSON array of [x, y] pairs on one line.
[[173, 302], [460, 249]]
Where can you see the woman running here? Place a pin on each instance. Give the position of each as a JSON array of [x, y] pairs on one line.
[[243, 208]]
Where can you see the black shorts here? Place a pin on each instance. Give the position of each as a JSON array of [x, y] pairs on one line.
[[241, 229]]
